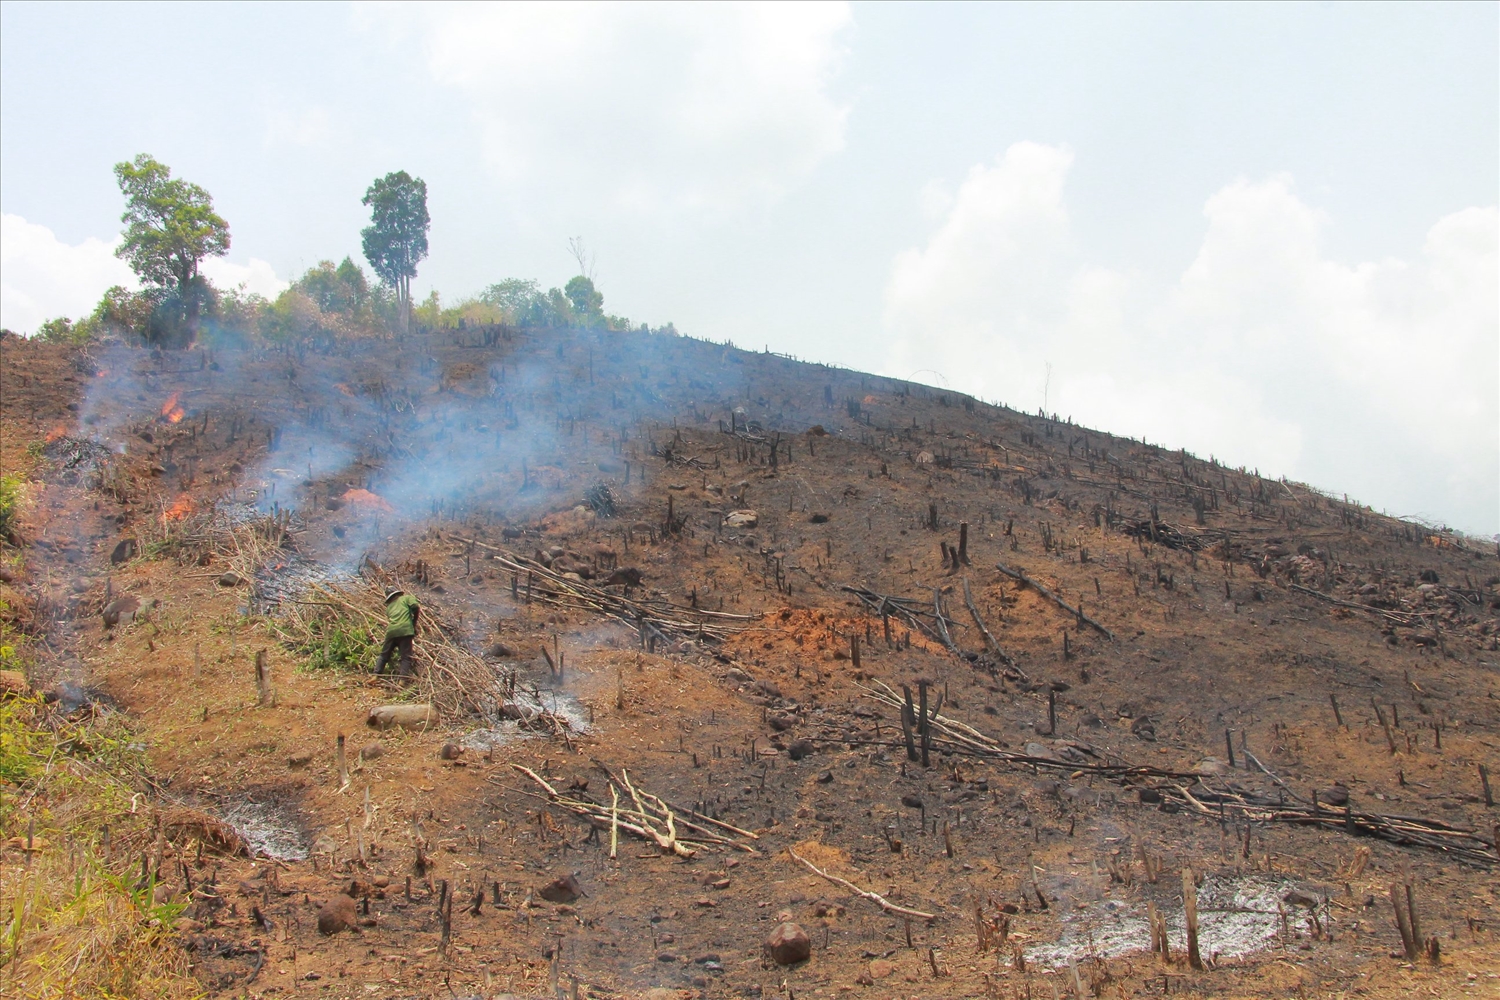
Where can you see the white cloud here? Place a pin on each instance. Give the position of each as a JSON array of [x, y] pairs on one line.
[[256, 277], [1379, 378], [42, 277], [705, 107]]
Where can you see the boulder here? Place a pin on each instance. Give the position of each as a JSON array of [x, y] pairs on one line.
[[1334, 795], [564, 889], [741, 519], [230, 580], [122, 610], [788, 944], [126, 550], [372, 750], [404, 716], [338, 914]]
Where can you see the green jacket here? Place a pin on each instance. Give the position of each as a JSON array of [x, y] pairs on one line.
[[403, 615]]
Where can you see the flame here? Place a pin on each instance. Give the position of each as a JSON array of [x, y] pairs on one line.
[[179, 510], [176, 415], [56, 433], [364, 498], [170, 404]]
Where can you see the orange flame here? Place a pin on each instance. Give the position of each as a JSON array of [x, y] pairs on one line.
[[170, 404], [60, 431], [364, 498], [176, 415], [179, 510]]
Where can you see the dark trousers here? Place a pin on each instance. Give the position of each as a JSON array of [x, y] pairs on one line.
[[400, 646]]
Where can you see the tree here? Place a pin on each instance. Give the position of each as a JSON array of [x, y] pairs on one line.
[[396, 239], [170, 227], [587, 302]]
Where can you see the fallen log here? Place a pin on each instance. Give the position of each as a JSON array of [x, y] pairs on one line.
[[1020, 575]]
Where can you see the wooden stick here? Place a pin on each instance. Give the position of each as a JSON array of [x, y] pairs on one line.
[[873, 897], [614, 821], [1190, 913]]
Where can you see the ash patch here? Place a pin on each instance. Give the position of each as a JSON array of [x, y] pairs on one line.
[[290, 577], [539, 710], [78, 459], [1236, 917], [270, 826]]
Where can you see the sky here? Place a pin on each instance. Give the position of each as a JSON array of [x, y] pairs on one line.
[[1266, 233]]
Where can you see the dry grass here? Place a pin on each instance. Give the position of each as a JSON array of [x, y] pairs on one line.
[[75, 918]]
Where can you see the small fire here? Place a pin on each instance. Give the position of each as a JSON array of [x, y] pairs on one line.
[[364, 498], [179, 510], [171, 410], [57, 433]]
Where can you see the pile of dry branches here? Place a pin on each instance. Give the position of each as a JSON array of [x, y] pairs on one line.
[[653, 618], [648, 817], [450, 678]]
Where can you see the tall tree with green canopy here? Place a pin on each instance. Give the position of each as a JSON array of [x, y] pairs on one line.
[[396, 239], [170, 227]]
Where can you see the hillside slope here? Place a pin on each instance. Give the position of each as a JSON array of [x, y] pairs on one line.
[[1096, 625]]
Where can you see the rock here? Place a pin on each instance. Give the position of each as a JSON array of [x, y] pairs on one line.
[[799, 749], [1150, 796], [124, 551], [1041, 750], [405, 716], [741, 519], [1210, 765], [121, 610], [1092, 721], [230, 580], [1143, 728], [13, 683], [499, 651], [338, 914], [1296, 898], [788, 944], [819, 519], [825, 777], [451, 751], [881, 969], [781, 723], [564, 889], [911, 801], [299, 760], [372, 750], [627, 576], [1334, 795]]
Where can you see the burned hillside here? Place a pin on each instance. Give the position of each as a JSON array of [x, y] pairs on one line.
[[738, 676]]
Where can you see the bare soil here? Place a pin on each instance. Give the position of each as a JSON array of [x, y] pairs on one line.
[[1189, 566]]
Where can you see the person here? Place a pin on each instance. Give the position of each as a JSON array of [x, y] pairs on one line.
[[402, 612]]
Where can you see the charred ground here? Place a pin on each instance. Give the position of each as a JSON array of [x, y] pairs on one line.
[[1207, 610]]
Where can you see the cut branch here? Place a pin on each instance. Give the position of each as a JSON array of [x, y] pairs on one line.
[[873, 897]]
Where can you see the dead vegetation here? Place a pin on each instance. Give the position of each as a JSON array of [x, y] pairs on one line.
[[736, 579]]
